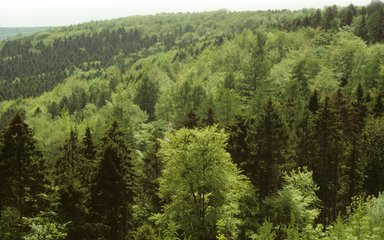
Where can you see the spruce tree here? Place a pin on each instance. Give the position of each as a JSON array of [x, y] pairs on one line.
[[21, 171], [313, 102], [88, 158], [113, 190], [68, 165], [378, 108], [355, 163], [237, 145], [192, 120], [325, 162], [268, 141], [209, 120]]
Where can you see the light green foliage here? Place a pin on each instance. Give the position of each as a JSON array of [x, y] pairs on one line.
[[365, 222], [145, 232], [200, 183], [43, 229], [266, 232], [229, 63], [342, 53], [295, 205]]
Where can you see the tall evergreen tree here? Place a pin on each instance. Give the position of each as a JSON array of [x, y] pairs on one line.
[[88, 158], [313, 102], [21, 171], [69, 164], [355, 161], [325, 162], [113, 191], [237, 145], [378, 108], [268, 141]]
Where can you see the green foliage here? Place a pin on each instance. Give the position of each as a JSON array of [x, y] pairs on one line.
[[145, 232], [42, 228], [301, 88], [267, 140], [200, 183], [266, 231], [295, 205]]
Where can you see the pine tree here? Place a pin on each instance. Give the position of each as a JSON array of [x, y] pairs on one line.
[[237, 145], [300, 78], [267, 141], [313, 102], [191, 120], [69, 164], [209, 120], [378, 108], [355, 163], [88, 158], [113, 190], [21, 171], [305, 141], [325, 162]]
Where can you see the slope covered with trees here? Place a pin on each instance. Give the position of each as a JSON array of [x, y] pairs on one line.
[[216, 125]]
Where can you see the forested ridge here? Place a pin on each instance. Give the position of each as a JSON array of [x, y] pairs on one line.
[[214, 125]]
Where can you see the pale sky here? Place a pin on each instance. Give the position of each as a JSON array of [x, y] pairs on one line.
[[26, 13]]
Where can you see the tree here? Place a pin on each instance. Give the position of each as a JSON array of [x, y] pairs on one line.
[[200, 185], [191, 120], [227, 100], [237, 145], [329, 17], [300, 79], [296, 204], [375, 30], [88, 158], [113, 190], [378, 108], [209, 120], [68, 165], [373, 153], [327, 158], [268, 141], [22, 176], [313, 102], [146, 96], [355, 161], [258, 67]]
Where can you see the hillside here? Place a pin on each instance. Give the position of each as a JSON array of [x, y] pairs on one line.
[[214, 125], [8, 32]]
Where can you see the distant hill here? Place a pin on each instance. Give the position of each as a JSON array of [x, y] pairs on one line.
[[6, 32]]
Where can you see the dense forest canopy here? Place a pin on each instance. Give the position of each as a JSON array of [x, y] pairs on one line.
[[214, 125]]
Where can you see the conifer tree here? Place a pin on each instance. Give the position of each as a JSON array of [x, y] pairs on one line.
[[327, 157], [313, 102], [191, 120], [355, 161], [378, 108], [237, 145], [267, 141], [88, 158], [68, 165], [113, 190], [209, 120], [21, 171]]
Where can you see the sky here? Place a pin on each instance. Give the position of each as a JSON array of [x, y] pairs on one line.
[[28, 13]]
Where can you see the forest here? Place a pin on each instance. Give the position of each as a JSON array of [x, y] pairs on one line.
[[220, 125]]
